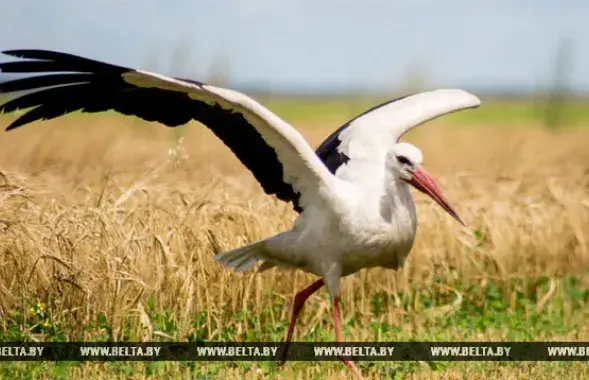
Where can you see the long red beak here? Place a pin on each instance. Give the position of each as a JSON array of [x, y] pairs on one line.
[[424, 182]]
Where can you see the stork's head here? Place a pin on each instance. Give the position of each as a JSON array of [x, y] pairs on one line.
[[405, 160]]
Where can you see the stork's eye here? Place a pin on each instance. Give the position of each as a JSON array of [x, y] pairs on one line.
[[403, 160]]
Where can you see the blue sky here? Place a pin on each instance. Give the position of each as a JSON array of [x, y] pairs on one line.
[[317, 44]]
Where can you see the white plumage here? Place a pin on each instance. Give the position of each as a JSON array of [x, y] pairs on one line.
[[352, 193]]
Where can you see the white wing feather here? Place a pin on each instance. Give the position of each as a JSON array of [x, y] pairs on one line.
[[367, 138]]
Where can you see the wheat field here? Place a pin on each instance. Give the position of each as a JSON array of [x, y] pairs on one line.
[[109, 225]]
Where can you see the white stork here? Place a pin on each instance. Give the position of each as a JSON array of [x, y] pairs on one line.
[[352, 194]]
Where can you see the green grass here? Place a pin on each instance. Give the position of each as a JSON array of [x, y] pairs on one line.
[[511, 310]]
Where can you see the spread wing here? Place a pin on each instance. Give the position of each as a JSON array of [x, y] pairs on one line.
[[359, 146], [276, 154]]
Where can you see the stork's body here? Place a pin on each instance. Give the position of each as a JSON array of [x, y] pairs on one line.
[[352, 194], [370, 226]]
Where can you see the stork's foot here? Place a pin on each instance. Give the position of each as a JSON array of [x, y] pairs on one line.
[[352, 367], [281, 363], [350, 364], [337, 318]]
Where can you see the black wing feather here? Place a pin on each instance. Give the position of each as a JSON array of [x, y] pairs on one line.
[[95, 86], [45, 81], [52, 61]]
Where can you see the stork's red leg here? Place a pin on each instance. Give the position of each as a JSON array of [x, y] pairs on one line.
[[337, 317], [297, 305]]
